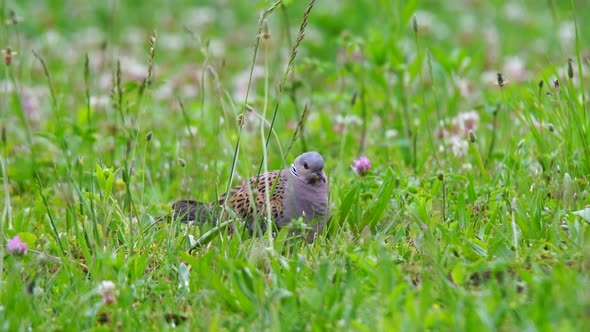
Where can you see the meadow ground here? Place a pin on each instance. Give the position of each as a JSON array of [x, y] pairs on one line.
[[473, 114]]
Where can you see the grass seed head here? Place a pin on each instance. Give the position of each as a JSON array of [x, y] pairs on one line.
[[181, 162], [472, 137], [501, 81], [265, 30], [8, 55], [13, 19]]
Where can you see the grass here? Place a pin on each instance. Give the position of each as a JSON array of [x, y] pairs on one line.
[[473, 217]]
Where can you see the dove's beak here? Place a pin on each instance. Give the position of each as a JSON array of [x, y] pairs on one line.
[[322, 176]]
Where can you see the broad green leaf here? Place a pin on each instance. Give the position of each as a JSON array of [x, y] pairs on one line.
[[377, 206], [28, 238], [350, 200]]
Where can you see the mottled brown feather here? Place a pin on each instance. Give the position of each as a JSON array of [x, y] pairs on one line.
[[253, 190]]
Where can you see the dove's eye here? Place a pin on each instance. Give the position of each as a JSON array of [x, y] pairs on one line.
[[305, 166]]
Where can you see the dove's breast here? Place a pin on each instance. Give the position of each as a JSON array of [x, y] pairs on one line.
[[303, 199]]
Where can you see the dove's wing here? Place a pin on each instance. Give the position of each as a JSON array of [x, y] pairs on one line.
[[248, 200]]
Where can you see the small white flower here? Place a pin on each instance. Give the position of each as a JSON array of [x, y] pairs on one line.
[[108, 291], [391, 133], [348, 119], [458, 145], [467, 166]]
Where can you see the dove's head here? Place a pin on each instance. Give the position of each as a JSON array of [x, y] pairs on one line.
[[309, 167]]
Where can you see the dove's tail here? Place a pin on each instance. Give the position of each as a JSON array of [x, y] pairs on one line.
[[190, 211]]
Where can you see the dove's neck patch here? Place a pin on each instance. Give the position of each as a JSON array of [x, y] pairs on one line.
[[294, 170]]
